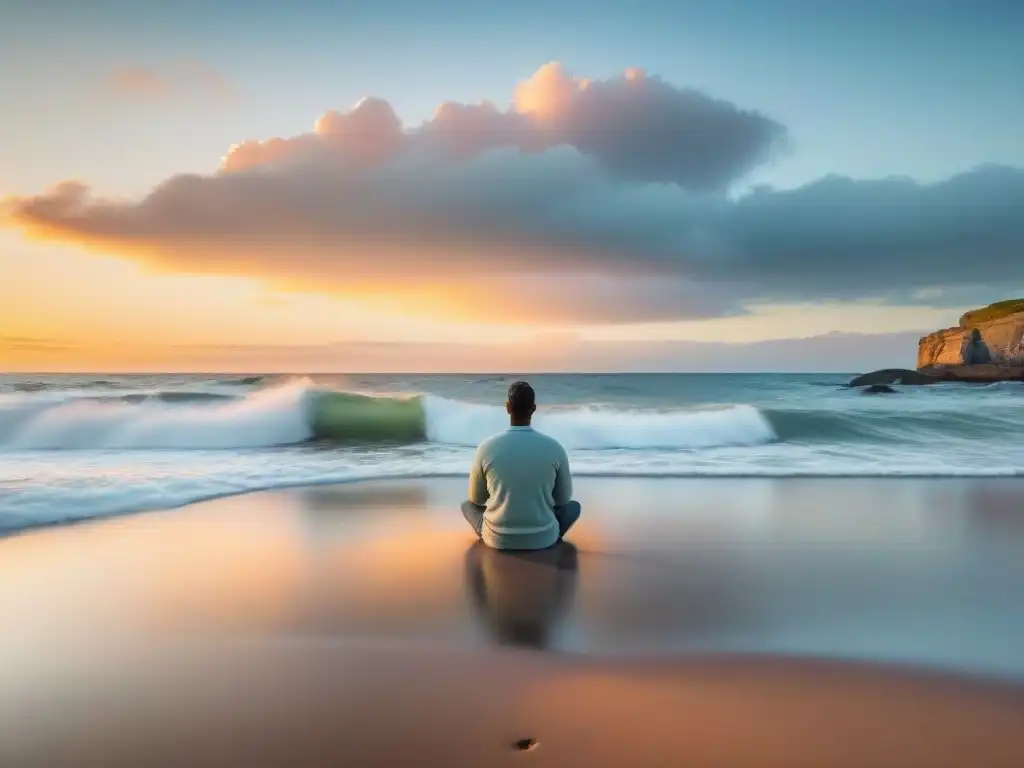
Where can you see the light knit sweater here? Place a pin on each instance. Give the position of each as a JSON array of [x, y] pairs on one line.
[[519, 476]]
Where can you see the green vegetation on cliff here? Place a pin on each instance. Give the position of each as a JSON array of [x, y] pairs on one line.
[[991, 312]]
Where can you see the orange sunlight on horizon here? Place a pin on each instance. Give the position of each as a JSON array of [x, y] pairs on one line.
[[64, 311]]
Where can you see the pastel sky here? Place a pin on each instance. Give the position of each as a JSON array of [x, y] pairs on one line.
[[416, 185]]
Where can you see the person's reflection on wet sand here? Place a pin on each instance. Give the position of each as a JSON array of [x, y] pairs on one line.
[[521, 595]]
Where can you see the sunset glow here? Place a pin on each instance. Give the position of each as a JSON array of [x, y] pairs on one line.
[[207, 212]]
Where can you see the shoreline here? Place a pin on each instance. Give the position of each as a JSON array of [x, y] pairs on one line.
[[824, 566], [972, 476]]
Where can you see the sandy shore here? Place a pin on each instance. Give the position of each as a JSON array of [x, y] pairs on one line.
[[732, 622]]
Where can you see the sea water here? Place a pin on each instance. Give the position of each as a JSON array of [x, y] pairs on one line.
[[77, 447]]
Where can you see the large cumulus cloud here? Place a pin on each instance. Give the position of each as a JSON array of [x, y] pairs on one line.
[[634, 126], [584, 200]]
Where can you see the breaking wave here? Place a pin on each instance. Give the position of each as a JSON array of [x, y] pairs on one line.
[[298, 412]]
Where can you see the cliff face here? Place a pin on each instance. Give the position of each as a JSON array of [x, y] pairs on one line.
[[1000, 340]]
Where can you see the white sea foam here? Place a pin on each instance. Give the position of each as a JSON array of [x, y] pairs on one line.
[[261, 418], [456, 423]]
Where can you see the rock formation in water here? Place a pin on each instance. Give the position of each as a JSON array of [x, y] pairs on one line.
[[878, 389], [987, 346], [977, 374], [888, 376]]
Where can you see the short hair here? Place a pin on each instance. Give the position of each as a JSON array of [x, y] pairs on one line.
[[521, 398]]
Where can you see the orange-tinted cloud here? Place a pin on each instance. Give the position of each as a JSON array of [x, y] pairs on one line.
[[367, 135], [187, 79], [595, 201], [139, 83], [32, 344], [431, 244]]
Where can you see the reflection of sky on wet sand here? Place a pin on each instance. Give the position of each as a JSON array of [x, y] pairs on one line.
[[522, 597], [928, 571]]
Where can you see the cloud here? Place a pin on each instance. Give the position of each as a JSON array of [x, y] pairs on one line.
[[139, 83], [952, 242], [586, 200], [636, 127], [24, 344], [186, 79]]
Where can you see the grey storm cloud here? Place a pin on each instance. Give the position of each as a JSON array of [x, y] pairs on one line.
[[557, 209]]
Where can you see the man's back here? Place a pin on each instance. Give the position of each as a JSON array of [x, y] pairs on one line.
[[520, 476]]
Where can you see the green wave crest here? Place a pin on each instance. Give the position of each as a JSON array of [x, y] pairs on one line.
[[362, 418]]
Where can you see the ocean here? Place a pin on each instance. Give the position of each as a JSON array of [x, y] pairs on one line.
[[86, 446]]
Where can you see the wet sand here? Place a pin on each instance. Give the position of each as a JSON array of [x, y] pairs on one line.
[[707, 622]]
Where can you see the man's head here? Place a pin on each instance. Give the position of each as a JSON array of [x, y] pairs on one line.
[[522, 402]]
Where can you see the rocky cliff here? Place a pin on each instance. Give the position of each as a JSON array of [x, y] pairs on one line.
[[990, 335]]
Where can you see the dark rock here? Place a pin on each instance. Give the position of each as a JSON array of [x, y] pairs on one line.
[[878, 389], [893, 376], [973, 350], [979, 374]]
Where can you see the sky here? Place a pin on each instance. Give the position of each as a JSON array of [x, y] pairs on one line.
[[448, 186]]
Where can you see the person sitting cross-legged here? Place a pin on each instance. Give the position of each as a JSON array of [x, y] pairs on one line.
[[520, 488]]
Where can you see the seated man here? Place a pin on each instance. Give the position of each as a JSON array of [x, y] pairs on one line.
[[520, 490]]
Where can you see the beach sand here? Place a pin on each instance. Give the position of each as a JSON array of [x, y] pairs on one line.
[[689, 622]]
